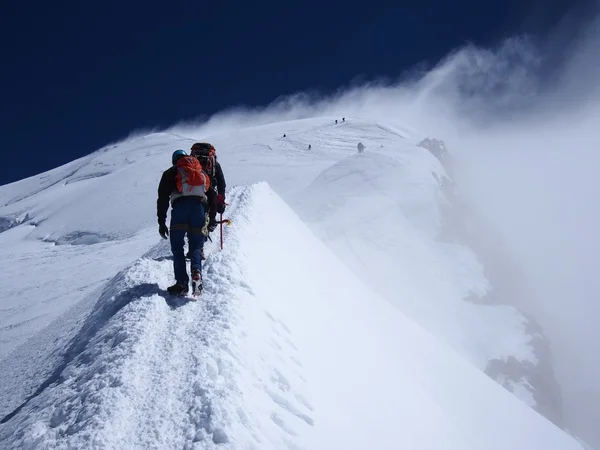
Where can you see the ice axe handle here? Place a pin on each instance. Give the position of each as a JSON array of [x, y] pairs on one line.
[[221, 226], [221, 229]]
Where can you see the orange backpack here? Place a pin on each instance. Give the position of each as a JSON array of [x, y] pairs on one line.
[[191, 179]]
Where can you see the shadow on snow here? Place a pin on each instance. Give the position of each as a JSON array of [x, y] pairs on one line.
[[109, 304]]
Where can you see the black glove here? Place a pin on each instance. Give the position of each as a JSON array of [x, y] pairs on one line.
[[220, 204], [163, 230], [212, 225]]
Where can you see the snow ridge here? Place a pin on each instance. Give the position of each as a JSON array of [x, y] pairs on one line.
[[140, 373], [149, 371], [288, 348]]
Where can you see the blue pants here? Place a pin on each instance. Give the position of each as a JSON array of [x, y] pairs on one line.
[[187, 216]]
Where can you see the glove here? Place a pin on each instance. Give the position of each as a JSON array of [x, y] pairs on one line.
[[220, 204], [212, 225], [163, 230]]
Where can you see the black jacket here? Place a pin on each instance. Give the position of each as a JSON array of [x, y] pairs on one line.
[[218, 179], [217, 187], [167, 185]]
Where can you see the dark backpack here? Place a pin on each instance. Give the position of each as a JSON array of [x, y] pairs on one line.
[[206, 154]]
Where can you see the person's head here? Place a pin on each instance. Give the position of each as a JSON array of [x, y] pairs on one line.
[[176, 155]]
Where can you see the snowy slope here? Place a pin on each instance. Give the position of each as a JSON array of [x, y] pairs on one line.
[[265, 361], [90, 350], [384, 213], [380, 212], [109, 197]]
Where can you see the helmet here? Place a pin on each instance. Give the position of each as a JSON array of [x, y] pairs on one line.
[[177, 154]]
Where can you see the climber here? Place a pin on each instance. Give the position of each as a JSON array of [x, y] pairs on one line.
[[185, 186], [206, 154]]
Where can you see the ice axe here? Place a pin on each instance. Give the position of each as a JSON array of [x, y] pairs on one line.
[[221, 221]]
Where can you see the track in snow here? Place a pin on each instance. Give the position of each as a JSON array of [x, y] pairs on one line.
[[146, 370]]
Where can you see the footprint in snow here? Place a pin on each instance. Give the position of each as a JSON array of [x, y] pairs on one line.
[[285, 404], [304, 402], [280, 381], [281, 423]]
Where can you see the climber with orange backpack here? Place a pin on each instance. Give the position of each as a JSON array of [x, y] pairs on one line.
[[184, 186]]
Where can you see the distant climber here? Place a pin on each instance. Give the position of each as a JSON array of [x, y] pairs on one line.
[[361, 147], [184, 185], [309, 146], [336, 121], [343, 119], [207, 155]]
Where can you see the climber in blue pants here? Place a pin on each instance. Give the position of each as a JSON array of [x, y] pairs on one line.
[[187, 217], [184, 186]]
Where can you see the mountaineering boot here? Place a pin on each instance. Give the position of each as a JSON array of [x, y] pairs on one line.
[[196, 282], [178, 289]]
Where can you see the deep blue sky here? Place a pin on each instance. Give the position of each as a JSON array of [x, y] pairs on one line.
[[76, 75]]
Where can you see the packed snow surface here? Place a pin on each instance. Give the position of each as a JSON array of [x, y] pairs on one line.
[[294, 344]]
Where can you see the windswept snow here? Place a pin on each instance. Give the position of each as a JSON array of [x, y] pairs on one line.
[[367, 331], [305, 357], [380, 212]]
